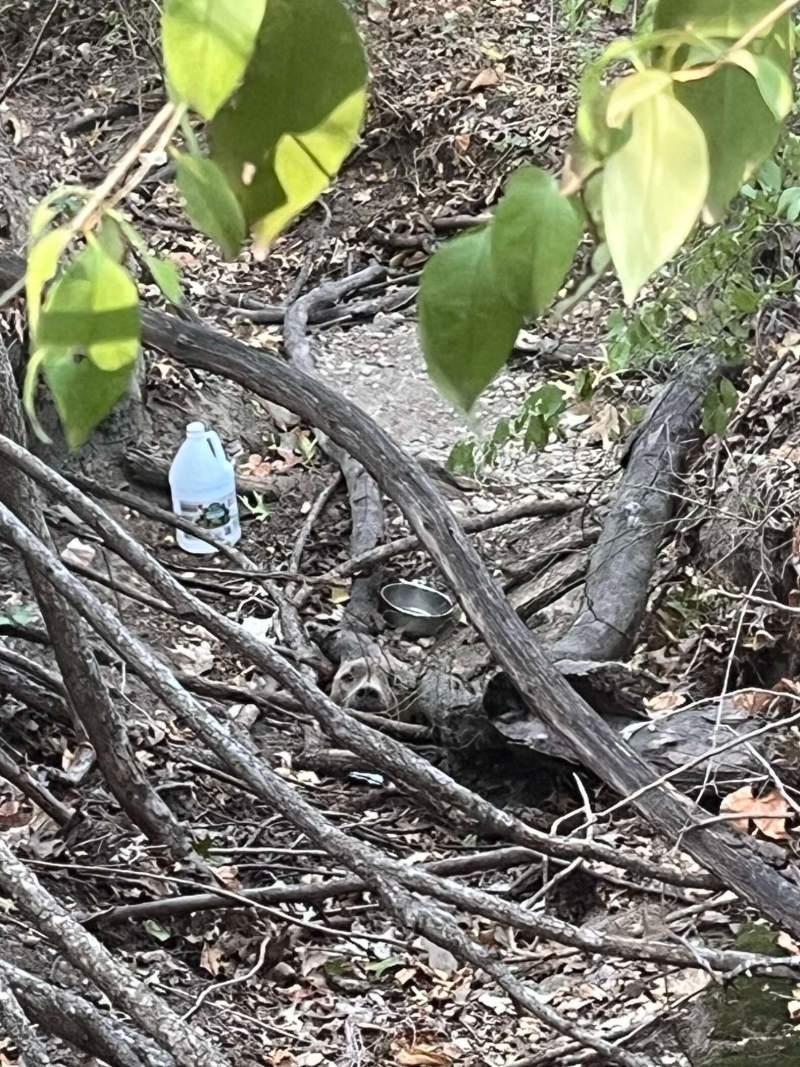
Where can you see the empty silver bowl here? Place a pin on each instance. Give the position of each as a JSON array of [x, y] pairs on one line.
[[416, 609]]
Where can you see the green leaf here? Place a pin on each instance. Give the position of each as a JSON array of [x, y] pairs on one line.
[[41, 268], [789, 203], [740, 130], [207, 46], [467, 323], [83, 393], [211, 203], [774, 84], [718, 406], [728, 394], [654, 188], [548, 401], [632, 91], [533, 240], [298, 114], [110, 237], [537, 433], [93, 309], [462, 458], [166, 276], [712, 18]]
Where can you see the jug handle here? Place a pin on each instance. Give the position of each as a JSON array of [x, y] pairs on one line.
[[214, 443]]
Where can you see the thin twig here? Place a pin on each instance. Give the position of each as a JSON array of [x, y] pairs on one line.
[[17, 78]]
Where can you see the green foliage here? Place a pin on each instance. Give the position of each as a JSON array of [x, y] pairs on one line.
[[211, 203], [294, 121], [532, 428], [93, 309], [207, 46], [651, 201], [479, 289], [83, 393], [534, 237], [655, 150], [467, 323], [718, 407]]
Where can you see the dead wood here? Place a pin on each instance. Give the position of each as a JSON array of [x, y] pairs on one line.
[[387, 877], [81, 1024], [527, 508], [737, 862], [89, 701], [16, 1025], [34, 790], [88, 955], [622, 562], [362, 680], [620, 569]]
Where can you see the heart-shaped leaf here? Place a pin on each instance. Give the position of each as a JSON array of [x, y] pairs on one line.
[[211, 203], [93, 309], [654, 188], [298, 113], [534, 236], [207, 46], [467, 323]]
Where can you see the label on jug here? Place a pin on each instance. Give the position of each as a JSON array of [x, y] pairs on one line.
[[221, 517]]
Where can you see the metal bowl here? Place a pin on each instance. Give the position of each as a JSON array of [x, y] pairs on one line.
[[416, 609]]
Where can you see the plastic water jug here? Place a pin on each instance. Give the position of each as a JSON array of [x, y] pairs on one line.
[[203, 487]]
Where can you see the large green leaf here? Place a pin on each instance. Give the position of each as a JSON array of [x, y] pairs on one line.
[[83, 393], [712, 18], [774, 84], [654, 189], [207, 46], [533, 240], [298, 114], [41, 268], [467, 324], [93, 309], [740, 130], [211, 203], [632, 91]]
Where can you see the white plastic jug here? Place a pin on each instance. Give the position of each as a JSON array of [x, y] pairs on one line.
[[203, 488]]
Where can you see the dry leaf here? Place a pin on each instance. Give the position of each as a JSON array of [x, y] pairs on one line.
[[753, 701], [486, 78], [211, 957], [787, 943], [79, 552], [378, 10], [422, 1056], [768, 812], [194, 659], [664, 702], [607, 425], [282, 1057]]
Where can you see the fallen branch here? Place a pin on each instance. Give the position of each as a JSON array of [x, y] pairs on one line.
[[396, 759], [85, 952], [527, 508], [387, 877], [36, 792], [16, 1025], [78, 1022], [622, 562]]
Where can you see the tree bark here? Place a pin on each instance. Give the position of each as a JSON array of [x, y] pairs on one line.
[[89, 700]]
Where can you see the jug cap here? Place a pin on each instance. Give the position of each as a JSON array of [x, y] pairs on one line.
[[195, 428]]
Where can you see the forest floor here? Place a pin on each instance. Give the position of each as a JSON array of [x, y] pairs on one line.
[[462, 92]]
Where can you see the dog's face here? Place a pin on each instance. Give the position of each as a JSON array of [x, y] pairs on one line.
[[363, 685]]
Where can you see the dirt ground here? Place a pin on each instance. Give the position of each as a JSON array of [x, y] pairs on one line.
[[461, 93]]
